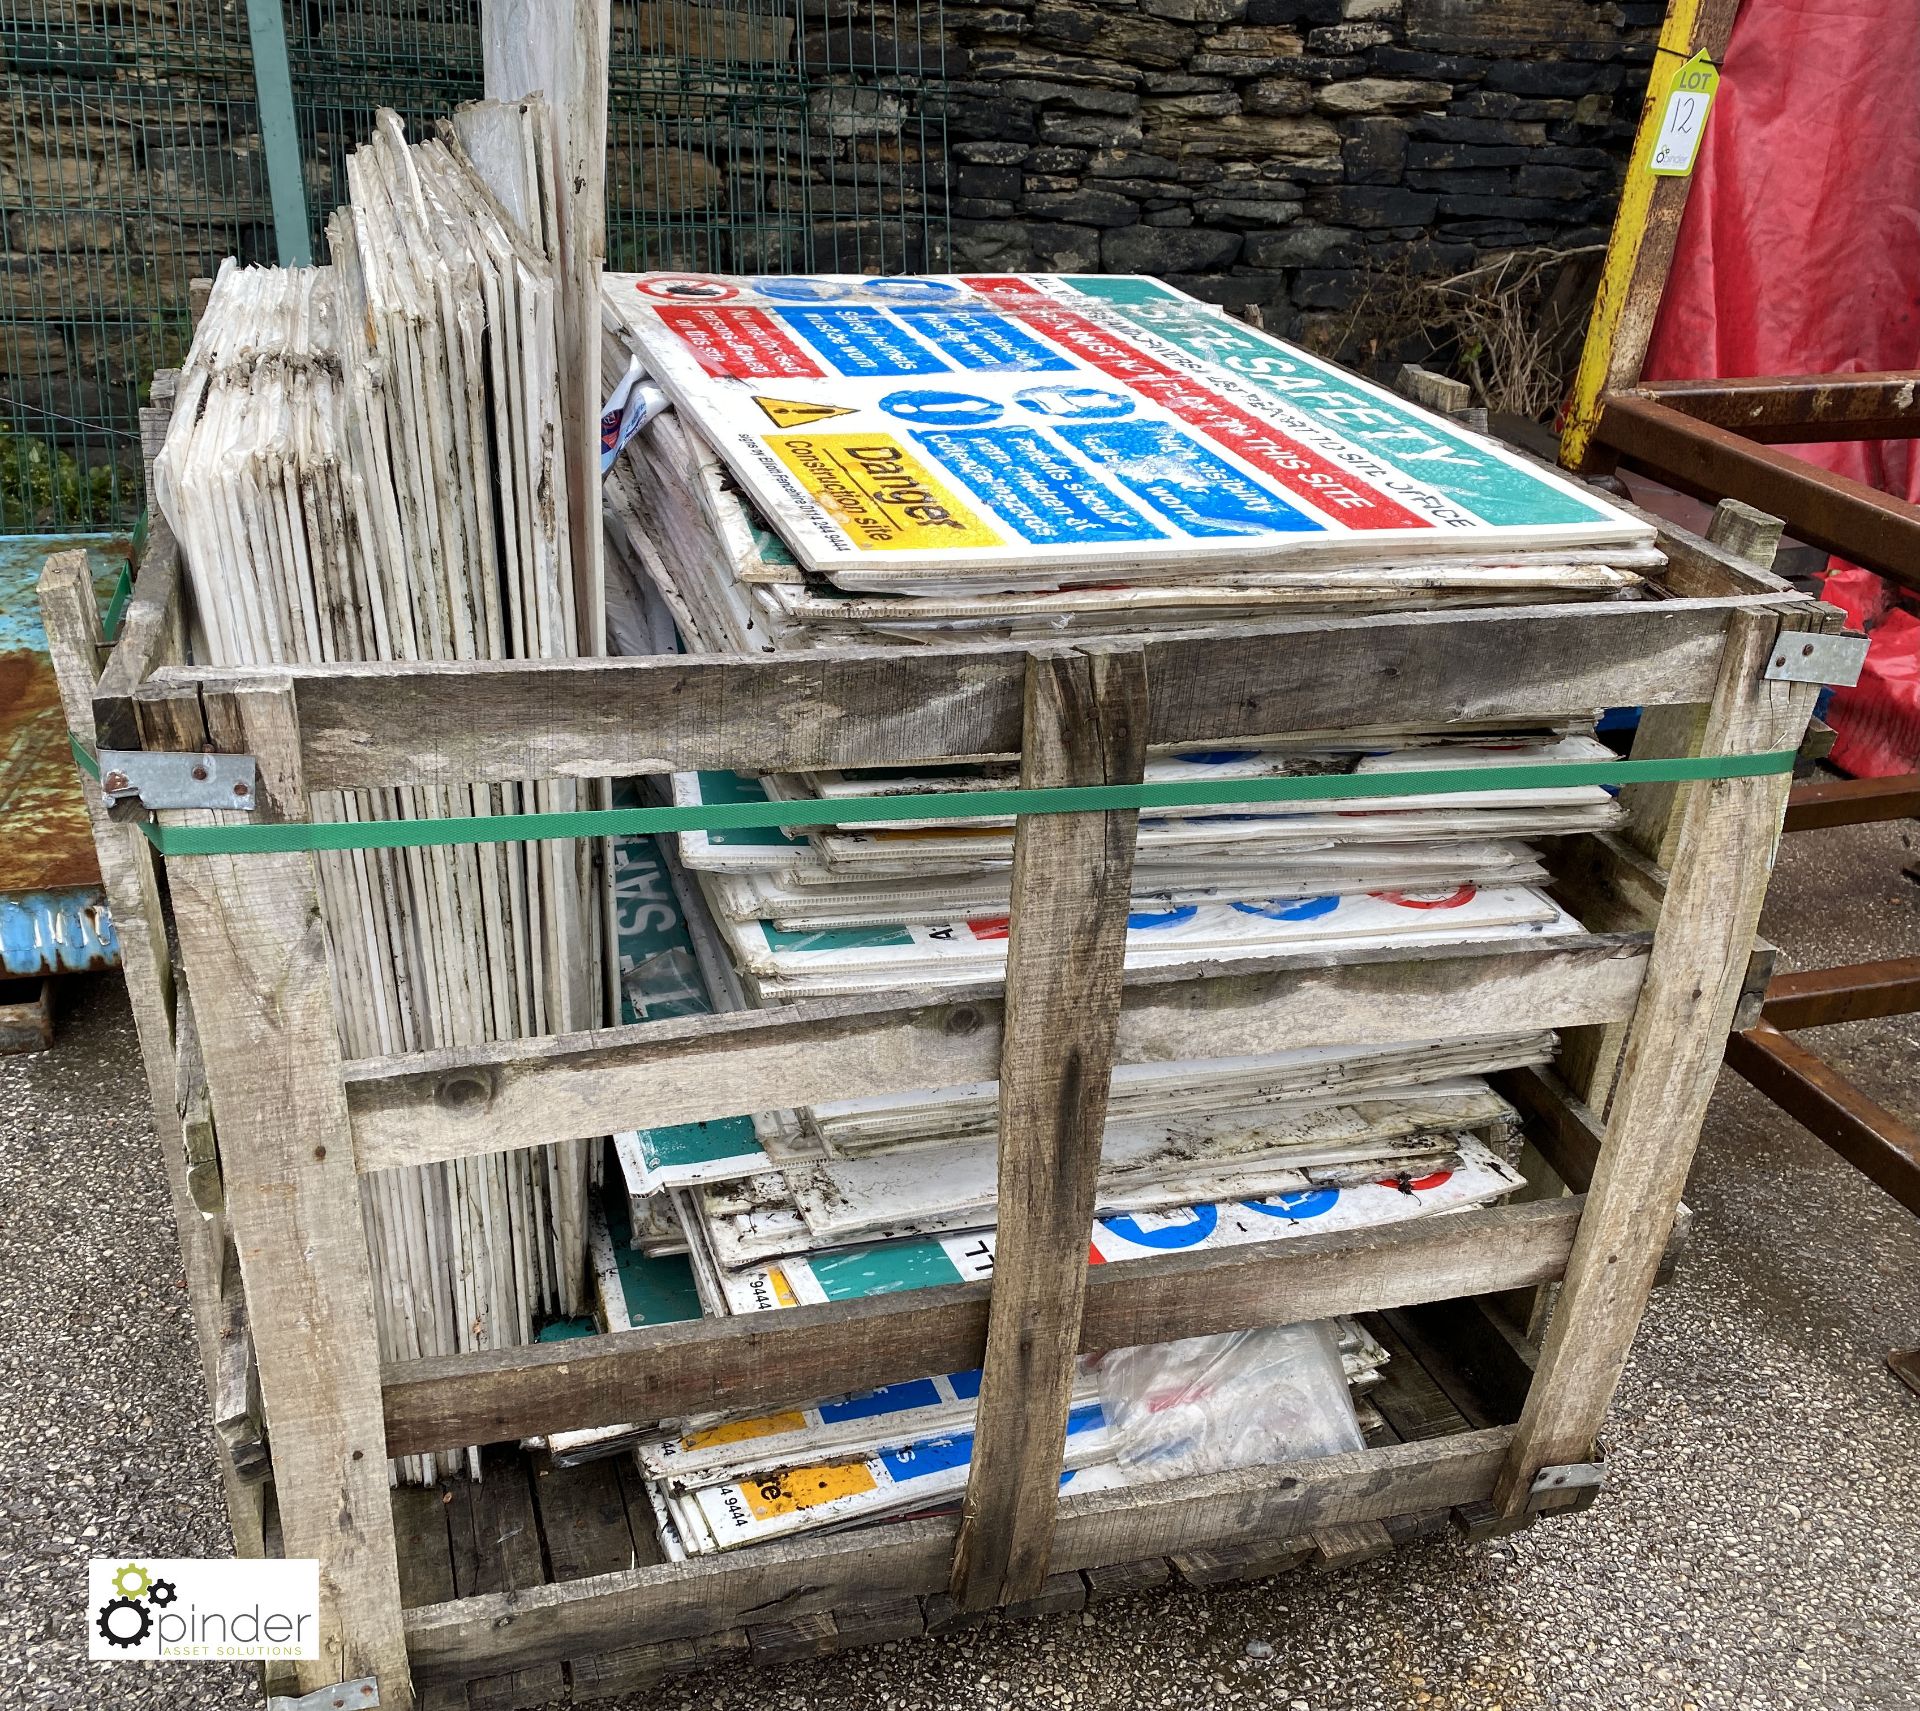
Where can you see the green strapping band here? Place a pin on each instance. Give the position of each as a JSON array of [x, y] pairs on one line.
[[284, 837], [117, 606]]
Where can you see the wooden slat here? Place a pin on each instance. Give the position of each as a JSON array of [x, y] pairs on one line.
[[1613, 887], [1406, 1530], [1626, 873], [1228, 1565], [1488, 1353], [1120, 1579], [1409, 1400], [780, 1581], [155, 415], [876, 1623], [1566, 1136], [583, 1519], [1072, 881], [1354, 1542], [255, 950], [1722, 854], [1606, 881], [149, 637], [236, 1397], [424, 1548], [435, 1106], [1406, 1335], [794, 1638], [630, 1669], [803, 1352], [1562, 1126], [497, 1551], [367, 725], [1699, 568], [170, 715]]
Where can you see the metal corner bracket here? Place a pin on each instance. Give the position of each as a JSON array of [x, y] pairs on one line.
[[361, 1694], [1807, 656], [1567, 1476], [161, 779]]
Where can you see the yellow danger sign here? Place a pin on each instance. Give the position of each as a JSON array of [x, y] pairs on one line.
[[798, 412], [880, 493]]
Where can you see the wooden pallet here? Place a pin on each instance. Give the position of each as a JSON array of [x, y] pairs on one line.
[[530, 1524], [1643, 1000]]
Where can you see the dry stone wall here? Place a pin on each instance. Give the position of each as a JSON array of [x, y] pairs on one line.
[[1278, 152]]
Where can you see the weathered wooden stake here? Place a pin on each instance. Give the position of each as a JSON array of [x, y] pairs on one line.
[[559, 49]]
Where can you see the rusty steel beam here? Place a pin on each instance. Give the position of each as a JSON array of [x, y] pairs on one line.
[[1877, 1142], [1823, 802], [1823, 509], [1858, 992], [1799, 409]]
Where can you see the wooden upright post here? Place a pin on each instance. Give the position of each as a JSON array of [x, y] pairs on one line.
[[1725, 834], [1590, 1057], [1085, 723], [255, 950], [127, 876]]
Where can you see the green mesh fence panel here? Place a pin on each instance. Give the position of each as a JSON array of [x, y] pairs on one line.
[[744, 136], [349, 58], [875, 190], [129, 163]]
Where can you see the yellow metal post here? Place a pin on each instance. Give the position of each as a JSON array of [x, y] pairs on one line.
[[1645, 228]]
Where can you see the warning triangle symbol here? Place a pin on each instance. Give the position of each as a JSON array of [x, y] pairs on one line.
[[797, 412]]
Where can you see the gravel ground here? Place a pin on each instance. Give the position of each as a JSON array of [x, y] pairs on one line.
[[1755, 1546]]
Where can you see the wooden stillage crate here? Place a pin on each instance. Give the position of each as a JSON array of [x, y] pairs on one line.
[[524, 1587]]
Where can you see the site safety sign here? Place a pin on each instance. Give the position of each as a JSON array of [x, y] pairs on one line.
[[901, 430]]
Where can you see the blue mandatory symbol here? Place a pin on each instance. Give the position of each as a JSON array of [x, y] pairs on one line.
[[1200, 1224], [910, 290], [1178, 476], [1149, 920], [1075, 403], [944, 409], [1291, 909], [1308, 1203], [797, 288]]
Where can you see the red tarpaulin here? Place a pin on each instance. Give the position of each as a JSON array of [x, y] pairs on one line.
[[1800, 254]]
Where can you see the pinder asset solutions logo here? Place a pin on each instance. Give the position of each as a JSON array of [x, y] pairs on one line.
[[194, 1609]]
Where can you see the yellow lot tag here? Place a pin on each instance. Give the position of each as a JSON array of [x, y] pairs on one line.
[[880, 493], [1677, 146], [805, 1488]]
